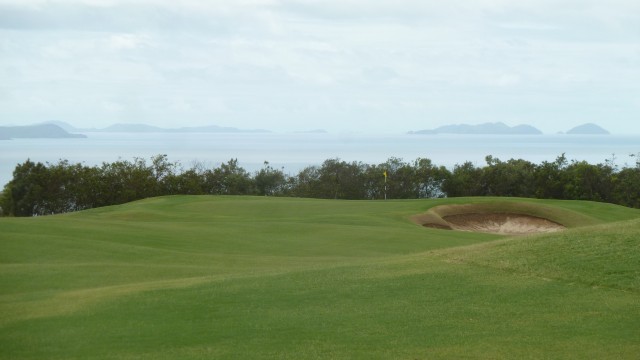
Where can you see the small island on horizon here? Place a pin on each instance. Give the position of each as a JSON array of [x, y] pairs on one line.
[[497, 128], [62, 130], [39, 131], [500, 128], [588, 129], [144, 128]]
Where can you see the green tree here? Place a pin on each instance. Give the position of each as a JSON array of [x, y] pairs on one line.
[[84, 186], [550, 178], [465, 180], [24, 194], [306, 183], [164, 173], [124, 181], [373, 182], [402, 179], [511, 178], [341, 180], [190, 182], [626, 185], [588, 182], [429, 178], [270, 182], [229, 179]]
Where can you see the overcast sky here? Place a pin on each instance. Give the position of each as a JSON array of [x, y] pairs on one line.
[[344, 66]]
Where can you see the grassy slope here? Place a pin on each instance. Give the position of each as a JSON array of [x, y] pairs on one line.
[[200, 277]]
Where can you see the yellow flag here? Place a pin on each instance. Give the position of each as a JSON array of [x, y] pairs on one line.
[[385, 174]]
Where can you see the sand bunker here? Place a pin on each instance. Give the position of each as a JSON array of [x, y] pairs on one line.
[[511, 224], [507, 218]]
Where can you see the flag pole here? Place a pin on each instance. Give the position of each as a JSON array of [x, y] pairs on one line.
[[385, 184]]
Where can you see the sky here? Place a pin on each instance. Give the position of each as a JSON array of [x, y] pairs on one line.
[[360, 66]]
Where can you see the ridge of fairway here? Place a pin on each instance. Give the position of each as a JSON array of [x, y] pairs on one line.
[[70, 302]]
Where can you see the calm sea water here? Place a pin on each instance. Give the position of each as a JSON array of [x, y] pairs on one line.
[[295, 151]]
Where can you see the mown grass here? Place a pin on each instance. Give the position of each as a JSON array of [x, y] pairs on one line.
[[605, 255], [248, 277]]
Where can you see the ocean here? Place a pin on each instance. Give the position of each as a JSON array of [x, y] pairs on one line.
[[292, 152]]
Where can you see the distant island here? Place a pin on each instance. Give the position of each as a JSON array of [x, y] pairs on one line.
[[41, 131], [60, 129], [316, 131], [143, 128], [497, 128], [588, 129]]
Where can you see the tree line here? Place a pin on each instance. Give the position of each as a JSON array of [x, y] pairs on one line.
[[50, 188]]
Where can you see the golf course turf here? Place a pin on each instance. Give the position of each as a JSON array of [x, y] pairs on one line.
[[200, 277]]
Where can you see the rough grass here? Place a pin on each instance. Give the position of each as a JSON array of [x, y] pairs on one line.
[[248, 277]]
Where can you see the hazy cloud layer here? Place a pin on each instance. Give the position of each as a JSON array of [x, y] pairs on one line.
[[339, 65]]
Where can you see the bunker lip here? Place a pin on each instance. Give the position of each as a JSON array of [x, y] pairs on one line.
[[500, 223], [506, 218]]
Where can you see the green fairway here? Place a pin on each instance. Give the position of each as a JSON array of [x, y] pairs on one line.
[[200, 277]]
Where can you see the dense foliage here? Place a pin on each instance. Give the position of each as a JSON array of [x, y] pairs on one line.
[[42, 189]]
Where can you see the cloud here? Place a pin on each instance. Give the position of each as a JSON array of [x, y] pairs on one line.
[[528, 26], [126, 41], [112, 106], [286, 60], [109, 17]]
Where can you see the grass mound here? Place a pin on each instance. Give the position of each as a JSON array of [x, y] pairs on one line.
[[605, 255], [253, 277]]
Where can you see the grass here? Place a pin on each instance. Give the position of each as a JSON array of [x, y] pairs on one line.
[[599, 256], [249, 277]]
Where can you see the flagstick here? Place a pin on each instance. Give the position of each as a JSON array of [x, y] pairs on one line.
[[385, 184]]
